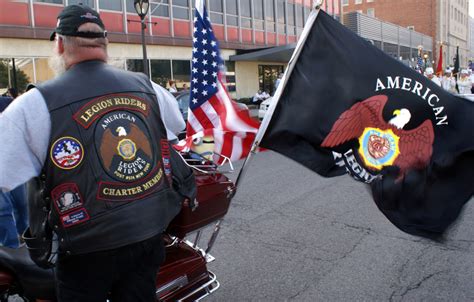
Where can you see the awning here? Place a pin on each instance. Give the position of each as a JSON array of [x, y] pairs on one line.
[[274, 54]]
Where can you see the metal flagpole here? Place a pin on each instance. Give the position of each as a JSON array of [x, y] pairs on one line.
[[276, 98]]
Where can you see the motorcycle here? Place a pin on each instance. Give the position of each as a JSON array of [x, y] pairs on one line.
[[183, 276]]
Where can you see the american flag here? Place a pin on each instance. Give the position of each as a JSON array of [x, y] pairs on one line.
[[212, 111]]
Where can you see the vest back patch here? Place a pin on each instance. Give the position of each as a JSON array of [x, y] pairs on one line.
[[124, 145]]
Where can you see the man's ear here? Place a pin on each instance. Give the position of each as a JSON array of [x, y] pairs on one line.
[[60, 45]]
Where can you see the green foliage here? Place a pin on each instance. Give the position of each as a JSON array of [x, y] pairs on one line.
[[21, 78]]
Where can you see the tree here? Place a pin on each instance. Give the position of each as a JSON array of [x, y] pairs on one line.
[[21, 77]]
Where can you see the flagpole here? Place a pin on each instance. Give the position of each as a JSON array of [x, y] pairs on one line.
[[276, 97]]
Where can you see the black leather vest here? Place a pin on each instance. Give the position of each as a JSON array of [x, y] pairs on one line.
[[108, 168]]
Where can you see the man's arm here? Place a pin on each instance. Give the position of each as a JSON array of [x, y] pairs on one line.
[[25, 128], [170, 114]]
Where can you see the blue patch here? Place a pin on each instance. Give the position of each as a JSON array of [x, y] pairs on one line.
[[74, 218]]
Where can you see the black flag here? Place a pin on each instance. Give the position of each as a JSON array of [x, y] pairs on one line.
[[347, 107]]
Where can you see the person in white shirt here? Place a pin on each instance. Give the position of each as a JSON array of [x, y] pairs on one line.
[[259, 97], [429, 73], [172, 88], [448, 82], [464, 82], [471, 77]]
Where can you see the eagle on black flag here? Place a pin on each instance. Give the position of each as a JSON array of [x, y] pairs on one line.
[[347, 107], [381, 143]]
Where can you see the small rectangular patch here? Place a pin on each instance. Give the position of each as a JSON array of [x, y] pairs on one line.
[[66, 198], [74, 218], [165, 153]]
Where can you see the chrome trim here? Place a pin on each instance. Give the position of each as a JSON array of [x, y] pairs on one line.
[[175, 240], [174, 285], [199, 165], [210, 286]]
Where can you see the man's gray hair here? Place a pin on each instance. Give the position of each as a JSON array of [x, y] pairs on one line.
[[79, 42]]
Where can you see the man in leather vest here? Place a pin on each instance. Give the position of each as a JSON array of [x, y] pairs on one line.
[[107, 181]]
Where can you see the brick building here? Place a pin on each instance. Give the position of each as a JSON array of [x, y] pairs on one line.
[[446, 21], [239, 25]]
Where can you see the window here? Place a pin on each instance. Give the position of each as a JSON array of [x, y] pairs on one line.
[[135, 65], [231, 7], [24, 73], [246, 22], [299, 15], [371, 12], [246, 13], [216, 11], [50, 1], [345, 2], [232, 21], [370, 0], [258, 14], [358, 1], [281, 16], [230, 76], [245, 8], [89, 3], [267, 75], [215, 6], [270, 15], [411, 27], [161, 71], [258, 9], [129, 6], [217, 18], [306, 11], [291, 18], [181, 2], [180, 9], [269, 11], [231, 10], [110, 5], [160, 9], [281, 11], [291, 13], [181, 72]]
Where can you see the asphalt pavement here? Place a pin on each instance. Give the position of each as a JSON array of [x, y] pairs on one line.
[[291, 235]]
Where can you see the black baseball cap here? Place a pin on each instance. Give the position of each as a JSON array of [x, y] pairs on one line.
[[72, 17]]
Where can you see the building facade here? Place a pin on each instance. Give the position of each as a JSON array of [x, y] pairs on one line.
[[471, 39], [239, 25], [397, 41], [445, 21]]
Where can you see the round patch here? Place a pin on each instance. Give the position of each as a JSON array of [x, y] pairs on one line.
[[127, 149], [67, 153], [378, 148], [123, 142]]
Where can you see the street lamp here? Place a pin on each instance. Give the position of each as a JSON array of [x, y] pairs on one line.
[[141, 7], [425, 56]]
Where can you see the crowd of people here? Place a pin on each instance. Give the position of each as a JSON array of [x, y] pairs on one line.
[[462, 83]]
